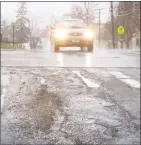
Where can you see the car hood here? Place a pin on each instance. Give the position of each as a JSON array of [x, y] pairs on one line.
[[75, 30]]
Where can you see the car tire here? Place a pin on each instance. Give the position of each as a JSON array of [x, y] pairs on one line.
[[82, 48], [90, 48], [56, 47]]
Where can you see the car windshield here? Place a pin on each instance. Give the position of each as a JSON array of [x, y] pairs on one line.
[[72, 23]]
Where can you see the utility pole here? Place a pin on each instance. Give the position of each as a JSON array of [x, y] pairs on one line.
[[99, 28], [112, 21], [29, 34], [0, 37], [13, 34]]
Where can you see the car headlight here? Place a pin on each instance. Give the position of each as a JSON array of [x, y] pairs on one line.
[[88, 34], [60, 34]]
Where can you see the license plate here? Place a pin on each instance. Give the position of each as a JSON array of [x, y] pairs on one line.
[[75, 41]]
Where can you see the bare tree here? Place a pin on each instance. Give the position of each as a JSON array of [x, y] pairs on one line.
[[84, 11], [125, 18], [136, 13], [3, 23], [127, 15], [108, 24], [76, 12], [4, 30], [34, 25], [54, 19]]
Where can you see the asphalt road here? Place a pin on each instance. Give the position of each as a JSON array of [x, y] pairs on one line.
[[70, 97], [70, 58]]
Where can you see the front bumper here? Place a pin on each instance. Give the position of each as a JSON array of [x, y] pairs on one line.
[[74, 41]]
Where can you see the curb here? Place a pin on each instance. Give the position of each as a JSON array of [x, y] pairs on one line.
[[12, 49], [8, 49]]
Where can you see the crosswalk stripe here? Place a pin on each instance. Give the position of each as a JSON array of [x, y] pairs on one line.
[[86, 81], [131, 82], [126, 79], [119, 75]]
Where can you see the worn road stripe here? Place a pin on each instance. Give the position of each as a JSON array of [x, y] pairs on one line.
[[119, 75], [131, 82], [86, 81], [126, 79]]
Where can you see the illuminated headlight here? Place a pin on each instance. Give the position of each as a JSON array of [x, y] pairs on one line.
[[88, 34], [60, 34]]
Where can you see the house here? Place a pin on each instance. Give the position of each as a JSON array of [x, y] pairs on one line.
[[136, 41]]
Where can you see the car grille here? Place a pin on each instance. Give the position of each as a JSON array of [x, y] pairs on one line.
[[75, 33]]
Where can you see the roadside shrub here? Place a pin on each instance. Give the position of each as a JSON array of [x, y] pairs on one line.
[[10, 46]]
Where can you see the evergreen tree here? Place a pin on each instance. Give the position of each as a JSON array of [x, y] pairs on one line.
[[22, 23]]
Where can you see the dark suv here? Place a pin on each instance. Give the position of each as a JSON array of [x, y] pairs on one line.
[[71, 32]]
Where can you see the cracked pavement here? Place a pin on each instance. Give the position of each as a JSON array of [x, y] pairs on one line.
[[52, 105]]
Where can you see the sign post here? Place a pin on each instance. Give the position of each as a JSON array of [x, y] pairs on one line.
[[120, 31]]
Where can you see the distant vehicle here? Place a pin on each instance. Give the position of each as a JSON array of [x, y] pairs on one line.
[[71, 32]]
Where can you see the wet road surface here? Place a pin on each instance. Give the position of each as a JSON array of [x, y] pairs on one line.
[[76, 58], [80, 101]]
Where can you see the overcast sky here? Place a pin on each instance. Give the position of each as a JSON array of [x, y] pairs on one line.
[[43, 10]]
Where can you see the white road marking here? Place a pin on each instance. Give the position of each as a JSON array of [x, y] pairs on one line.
[[126, 79], [119, 75], [86, 81], [132, 83]]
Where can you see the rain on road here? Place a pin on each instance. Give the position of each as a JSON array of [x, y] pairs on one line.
[[70, 97]]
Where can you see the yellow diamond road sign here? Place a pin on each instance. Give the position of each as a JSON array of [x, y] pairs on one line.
[[120, 30]]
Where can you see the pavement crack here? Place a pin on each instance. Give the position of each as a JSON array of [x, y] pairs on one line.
[[129, 117]]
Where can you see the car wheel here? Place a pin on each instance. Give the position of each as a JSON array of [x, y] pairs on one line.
[[82, 48], [56, 48], [90, 47]]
